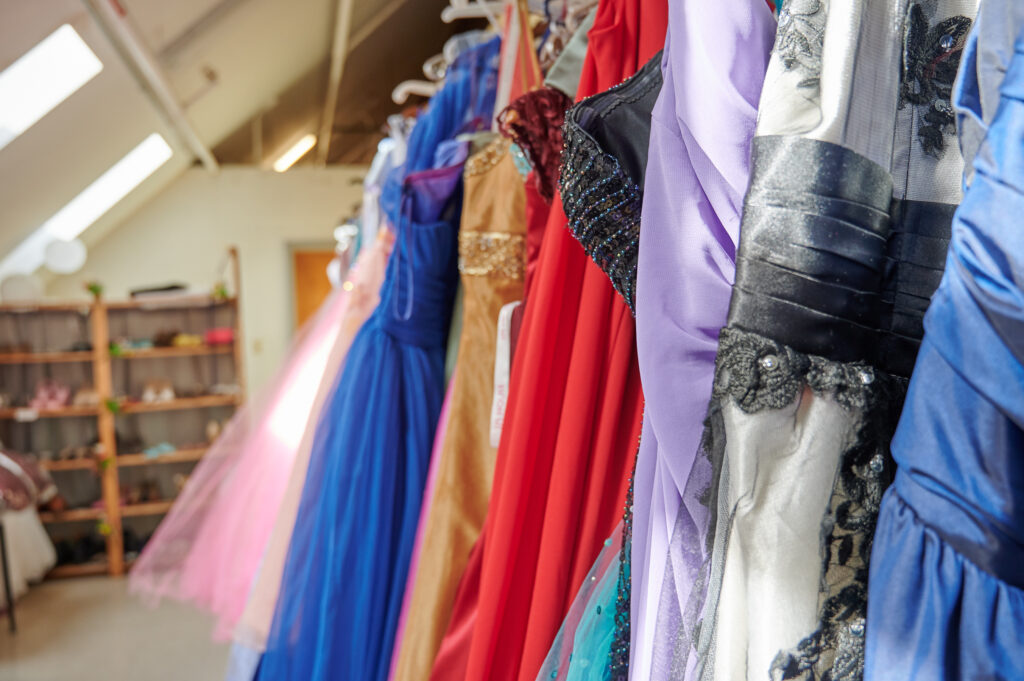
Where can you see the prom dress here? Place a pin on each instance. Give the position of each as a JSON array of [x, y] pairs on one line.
[[855, 177], [947, 570], [345, 573], [574, 406], [362, 287], [698, 170], [209, 548], [491, 263]]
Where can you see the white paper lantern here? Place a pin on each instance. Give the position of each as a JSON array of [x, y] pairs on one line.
[[64, 257], [21, 288]]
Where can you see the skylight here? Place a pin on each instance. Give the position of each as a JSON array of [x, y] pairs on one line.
[[42, 78], [95, 200]]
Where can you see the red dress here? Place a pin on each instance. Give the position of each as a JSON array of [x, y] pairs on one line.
[[571, 425]]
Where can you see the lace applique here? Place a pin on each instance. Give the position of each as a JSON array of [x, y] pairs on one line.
[[534, 122], [758, 374], [800, 40], [931, 57], [497, 254], [603, 207]]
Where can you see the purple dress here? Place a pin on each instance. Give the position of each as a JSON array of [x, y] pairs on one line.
[[714, 64]]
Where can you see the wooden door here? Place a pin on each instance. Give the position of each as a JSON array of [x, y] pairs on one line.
[[309, 272]]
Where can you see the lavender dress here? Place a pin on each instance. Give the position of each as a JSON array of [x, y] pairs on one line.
[[714, 64]]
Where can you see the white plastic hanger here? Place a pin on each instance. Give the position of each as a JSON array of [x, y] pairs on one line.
[[476, 9], [412, 87]]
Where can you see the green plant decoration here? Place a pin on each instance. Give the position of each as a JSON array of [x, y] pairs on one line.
[[113, 406], [220, 291], [95, 288], [115, 349]]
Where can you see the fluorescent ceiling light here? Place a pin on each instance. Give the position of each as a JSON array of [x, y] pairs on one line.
[[297, 151], [42, 78], [83, 210]]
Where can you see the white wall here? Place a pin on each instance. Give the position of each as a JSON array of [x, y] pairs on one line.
[[183, 234]]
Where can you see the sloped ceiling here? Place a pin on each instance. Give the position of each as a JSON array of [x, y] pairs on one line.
[[250, 75]]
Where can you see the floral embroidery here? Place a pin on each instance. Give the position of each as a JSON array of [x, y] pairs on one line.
[[931, 57], [801, 39]]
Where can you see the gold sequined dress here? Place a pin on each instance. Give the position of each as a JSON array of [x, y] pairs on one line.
[[492, 245]]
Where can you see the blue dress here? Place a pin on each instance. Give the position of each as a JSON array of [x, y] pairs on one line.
[[348, 560], [946, 596], [345, 574]]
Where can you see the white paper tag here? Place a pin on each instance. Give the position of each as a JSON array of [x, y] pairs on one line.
[[502, 364]]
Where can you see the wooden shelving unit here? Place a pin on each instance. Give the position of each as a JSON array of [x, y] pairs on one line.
[[101, 359]]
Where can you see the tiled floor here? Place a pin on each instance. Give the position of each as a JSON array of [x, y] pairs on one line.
[[90, 629]]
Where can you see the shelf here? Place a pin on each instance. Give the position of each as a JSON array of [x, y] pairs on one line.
[[184, 403], [72, 515], [26, 414], [148, 508], [179, 456], [71, 464], [160, 353], [83, 306], [79, 570], [45, 357], [185, 302]]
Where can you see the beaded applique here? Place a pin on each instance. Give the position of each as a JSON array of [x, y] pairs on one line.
[[488, 157], [492, 254], [534, 122], [603, 207], [931, 57]]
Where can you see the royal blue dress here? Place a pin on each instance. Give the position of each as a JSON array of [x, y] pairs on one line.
[[946, 599], [348, 560]]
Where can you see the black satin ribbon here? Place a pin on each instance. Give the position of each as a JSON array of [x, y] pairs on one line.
[[812, 248], [829, 263], [916, 260]]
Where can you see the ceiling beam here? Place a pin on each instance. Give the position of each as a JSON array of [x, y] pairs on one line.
[[339, 54], [143, 65]]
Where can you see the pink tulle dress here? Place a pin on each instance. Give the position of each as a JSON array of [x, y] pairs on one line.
[[237, 510]]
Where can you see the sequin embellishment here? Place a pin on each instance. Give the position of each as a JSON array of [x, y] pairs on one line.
[[492, 254]]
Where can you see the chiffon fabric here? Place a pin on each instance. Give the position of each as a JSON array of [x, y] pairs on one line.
[[346, 568], [345, 575], [209, 548], [361, 293], [844, 228], [570, 427], [947, 584], [491, 263], [698, 168]]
